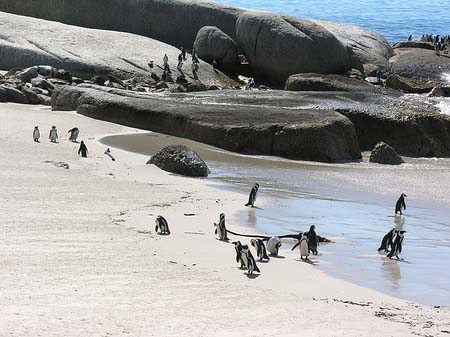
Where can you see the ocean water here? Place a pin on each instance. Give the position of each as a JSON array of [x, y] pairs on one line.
[[395, 19]]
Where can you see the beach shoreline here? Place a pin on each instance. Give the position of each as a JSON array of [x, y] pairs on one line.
[[80, 255]]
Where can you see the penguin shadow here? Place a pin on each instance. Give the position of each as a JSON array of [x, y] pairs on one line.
[[402, 260], [252, 276], [255, 207], [144, 232], [308, 261], [277, 257], [263, 261]]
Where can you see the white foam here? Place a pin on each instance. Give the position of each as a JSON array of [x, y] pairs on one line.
[[444, 106], [445, 77]]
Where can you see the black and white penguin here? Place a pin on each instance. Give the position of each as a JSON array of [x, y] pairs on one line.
[[238, 249], [312, 240], [74, 134], [400, 204], [161, 225], [249, 260], [397, 245], [303, 243], [387, 241], [221, 230], [252, 196], [273, 245], [260, 249]]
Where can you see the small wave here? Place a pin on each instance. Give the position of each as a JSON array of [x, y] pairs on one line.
[[446, 77]]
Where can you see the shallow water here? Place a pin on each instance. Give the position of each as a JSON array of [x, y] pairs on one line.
[[352, 203], [394, 19]]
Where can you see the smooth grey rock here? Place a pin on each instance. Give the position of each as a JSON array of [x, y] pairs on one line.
[[46, 71], [162, 85], [408, 85], [196, 86], [3, 96], [278, 46], [42, 83], [414, 44], [15, 95], [213, 44], [44, 100], [64, 75], [28, 74], [318, 82], [440, 91], [99, 80], [385, 154], [181, 160], [31, 96]]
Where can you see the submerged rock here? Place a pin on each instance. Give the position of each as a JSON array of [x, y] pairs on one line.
[[385, 154], [181, 160]]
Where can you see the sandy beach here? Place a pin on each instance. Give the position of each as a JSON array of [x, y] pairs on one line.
[[80, 255]]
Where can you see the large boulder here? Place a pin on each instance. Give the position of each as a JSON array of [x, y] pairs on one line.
[[383, 153], [414, 44], [32, 97], [3, 97], [213, 44], [14, 95], [42, 83], [181, 160], [409, 85], [278, 46], [318, 82], [86, 52], [28, 74]]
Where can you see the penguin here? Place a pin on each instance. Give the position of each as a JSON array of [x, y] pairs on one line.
[[221, 230], [260, 249], [387, 241], [400, 204], [397, 245], [161, 225], [249, 260], [312, 240], [252, 196], [273, 245], [238, 249], [303, 243], [74, 132]]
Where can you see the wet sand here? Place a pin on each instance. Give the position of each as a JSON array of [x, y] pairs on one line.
[[353, 203]]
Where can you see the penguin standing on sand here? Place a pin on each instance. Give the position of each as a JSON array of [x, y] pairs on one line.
[[303, 243], [252, 196], [387, 241], [238, 249], [273, 245], [161, 225], [312, 240], [249, 260], [397, 245], [260, 249], [221, 230], [400, 204]]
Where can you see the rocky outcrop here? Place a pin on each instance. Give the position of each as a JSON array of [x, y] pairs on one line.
[[213, 44], [14, 95], [414, 44], [318, 82], [421, 64], [278, 46], [408, 85], [248, 122], [181, 160], [27, 42], [441, 91], [385, 154]]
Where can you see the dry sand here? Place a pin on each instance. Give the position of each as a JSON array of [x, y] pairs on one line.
[[79, 256]]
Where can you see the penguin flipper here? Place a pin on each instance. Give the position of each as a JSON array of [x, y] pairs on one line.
[[156, 228], [295, 246]]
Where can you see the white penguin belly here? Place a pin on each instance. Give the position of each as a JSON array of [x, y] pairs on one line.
[[304, 248]]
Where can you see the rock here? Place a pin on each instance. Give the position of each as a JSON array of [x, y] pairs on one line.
[[42, 83], [371, 70], [213, 44], [37, 91], [181, 80], [162, 85], [64, 75], [440, 91], [213, 87], [99, 80], [196, 86], [85, 52], [27, 74], [14, 95], [47, 71], [408, 85], [420, 64], [383, 153], [250, 122], [355, 73], [181, 160], [44, 100], [155, 77], [32, 97], [3, 96], [414, 44], [317, 82], [178, 88], [139, 89], [374, 80], [77, 80], [278, 46]]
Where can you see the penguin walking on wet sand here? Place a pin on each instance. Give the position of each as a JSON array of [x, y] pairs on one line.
[[273, 245], [397, 245], [313, 242], [400, 204], [387, 240], [239, 258], [252, 196], [162, 227], [260, 249], [249, 260], [303, 243], [221, 229]]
